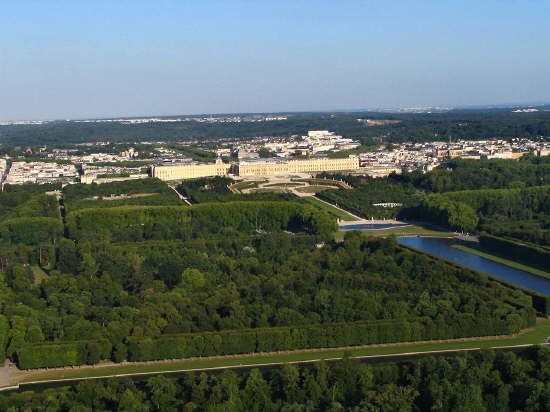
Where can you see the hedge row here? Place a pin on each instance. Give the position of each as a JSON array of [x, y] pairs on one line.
[[57, 354], [540, 302], [173, 346], [321, 336], [526, 253], [4, 330]]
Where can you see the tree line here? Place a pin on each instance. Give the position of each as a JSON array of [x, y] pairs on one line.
[[418, 127], [470, 174], [529, 254], [479, 381], [497, 211]]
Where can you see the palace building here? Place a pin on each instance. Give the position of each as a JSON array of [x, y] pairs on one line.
[[190, 170], [266, 167], [254, 167]]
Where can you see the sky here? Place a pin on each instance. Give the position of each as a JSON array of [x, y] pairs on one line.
[[84, 59]]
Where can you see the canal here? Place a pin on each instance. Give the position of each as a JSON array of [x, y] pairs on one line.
[[443, 248], [371, 226]]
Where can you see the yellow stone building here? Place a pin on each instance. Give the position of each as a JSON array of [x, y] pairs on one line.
[[190, 170], [254, 167], [266, 167]]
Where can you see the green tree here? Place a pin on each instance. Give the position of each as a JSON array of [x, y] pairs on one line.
[[192, 279], [391, 398], [131, 401], [163, 393], [290, 382], [257, 393], [88, 266]]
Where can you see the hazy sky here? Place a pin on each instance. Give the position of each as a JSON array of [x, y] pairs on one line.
[[69, 59]]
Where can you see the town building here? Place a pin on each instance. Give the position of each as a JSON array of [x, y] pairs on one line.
[[41, 172]]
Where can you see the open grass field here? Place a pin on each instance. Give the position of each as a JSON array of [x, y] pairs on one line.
[[334, 211], [536, 335], [511, 263]]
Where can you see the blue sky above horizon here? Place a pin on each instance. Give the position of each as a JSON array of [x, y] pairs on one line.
[[73, 59]]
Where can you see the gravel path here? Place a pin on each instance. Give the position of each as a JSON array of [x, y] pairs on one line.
[[7, 372]]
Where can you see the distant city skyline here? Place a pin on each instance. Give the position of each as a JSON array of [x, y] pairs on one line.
[[101, 59], [402, 109]]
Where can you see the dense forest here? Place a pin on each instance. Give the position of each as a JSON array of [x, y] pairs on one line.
[[473, 125], [145, 278], [194, 153], [114, 300], [519, 213], [469, 174], [29, 216], [31, 188], [26, 204], [137, 223], [486, 381], [141, 282]]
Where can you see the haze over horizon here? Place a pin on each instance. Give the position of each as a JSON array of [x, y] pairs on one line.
[[138, 58]]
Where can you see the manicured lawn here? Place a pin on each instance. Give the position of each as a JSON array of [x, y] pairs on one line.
[[535, 335], [283, 185], [268, 190], [324, 182], [314, 189], [246, 184], [511, 263], [334, 211]]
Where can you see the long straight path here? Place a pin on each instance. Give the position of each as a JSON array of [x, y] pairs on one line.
[[367, 358], [357, 218], [372, 353], [182, 197]]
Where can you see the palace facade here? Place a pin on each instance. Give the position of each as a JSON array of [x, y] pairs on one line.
[[266, 167], [254, 167], [190, 170]]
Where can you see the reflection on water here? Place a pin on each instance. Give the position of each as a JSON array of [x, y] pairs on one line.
[[443, 249], [370, 226]]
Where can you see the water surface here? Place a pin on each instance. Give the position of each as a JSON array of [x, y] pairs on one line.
[[371, 226], [442, 248]]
